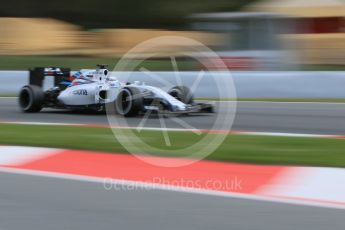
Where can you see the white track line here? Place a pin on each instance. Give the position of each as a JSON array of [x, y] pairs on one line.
[[40, 123], [170, 188], [286, 102], [285, 134], [276, 134], [8, 97]]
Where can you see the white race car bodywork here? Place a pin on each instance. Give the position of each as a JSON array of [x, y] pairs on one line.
[[94, 89], [89, 94]]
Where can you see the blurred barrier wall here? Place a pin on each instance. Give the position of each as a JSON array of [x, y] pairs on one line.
[[294, 84], [12, 81]]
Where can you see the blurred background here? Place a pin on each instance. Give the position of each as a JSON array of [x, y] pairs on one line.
[[287, 63], [247, 34]]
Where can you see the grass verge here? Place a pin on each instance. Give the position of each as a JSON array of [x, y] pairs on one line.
[[8, 95], [23, 62], [76, 63], [236, 148]]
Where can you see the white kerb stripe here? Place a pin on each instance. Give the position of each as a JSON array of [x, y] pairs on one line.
[[309, 183], [17, 155]]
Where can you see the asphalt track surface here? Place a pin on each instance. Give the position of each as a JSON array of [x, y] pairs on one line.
[[309, 118], [33, 202]]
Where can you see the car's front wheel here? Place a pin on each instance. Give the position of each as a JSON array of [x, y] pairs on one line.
[[129, 102], [182, 93]]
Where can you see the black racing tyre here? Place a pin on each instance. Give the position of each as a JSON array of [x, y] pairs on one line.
[[182, 93], [31, 99], [129, 102]]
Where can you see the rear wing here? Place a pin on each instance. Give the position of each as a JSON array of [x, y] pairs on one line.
[[38, 74]]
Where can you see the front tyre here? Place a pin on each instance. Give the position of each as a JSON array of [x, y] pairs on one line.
[[129, 102], [182, 93], [31, 99]]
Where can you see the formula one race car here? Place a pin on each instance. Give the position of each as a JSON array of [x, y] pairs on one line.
[[94, 89]]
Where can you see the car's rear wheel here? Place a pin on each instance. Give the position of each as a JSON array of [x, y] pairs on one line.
[[31, 99], [182, 93], [129, 102]]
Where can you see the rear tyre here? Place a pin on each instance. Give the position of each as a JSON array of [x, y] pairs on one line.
[[129, 102], [31, 99], [182, 93]]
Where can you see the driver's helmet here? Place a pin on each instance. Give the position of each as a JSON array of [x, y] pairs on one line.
[[79, 78]]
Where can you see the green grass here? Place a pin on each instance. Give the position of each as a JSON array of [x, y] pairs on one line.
[[323, 67], [76, 63], [235, 148], [23, 62]]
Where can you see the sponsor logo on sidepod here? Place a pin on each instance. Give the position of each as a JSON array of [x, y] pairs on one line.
[[82, 92]]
